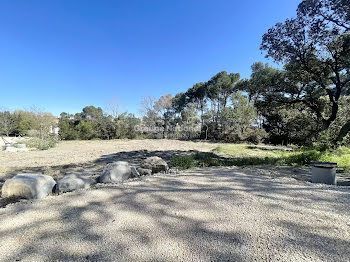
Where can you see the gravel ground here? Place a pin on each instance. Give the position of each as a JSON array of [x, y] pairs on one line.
[[215, 214]]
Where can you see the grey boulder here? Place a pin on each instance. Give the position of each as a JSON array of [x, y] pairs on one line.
[[156, 164], [29, 186], [72, 182], [144, 171], [134, 172], [115, 172]]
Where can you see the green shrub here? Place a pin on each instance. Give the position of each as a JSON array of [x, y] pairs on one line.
[[41, 144], [302, 158], [240, 156], [341, 156], [183, 162]]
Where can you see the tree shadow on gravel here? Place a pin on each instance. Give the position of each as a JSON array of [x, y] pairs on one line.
[[133, 157], [91, 168], [113, 224], [184, 217]]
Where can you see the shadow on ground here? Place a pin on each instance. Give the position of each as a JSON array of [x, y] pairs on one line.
[[211, 215], [95, 168], [90, 168]]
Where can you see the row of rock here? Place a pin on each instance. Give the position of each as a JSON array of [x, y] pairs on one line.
[[34, 186]]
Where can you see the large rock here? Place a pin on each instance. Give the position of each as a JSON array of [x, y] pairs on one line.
[[144, 171], [134, 172], [30, 186], [156, 164], [72, 182], [115, 172]]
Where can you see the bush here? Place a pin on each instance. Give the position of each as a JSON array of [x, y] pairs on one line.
[[303, 158], [86, 130], [240, 156], [41, 144], [256, 136], [183, 162], [340, 155], [208, 159]]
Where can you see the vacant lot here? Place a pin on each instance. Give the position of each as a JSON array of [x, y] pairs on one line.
[[255, 213]]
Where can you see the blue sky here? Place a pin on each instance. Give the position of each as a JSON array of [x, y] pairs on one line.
[[64, 55]]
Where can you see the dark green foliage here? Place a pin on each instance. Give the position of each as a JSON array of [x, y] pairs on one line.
[[125, 126], [183, 162], [86, 130], [7, 123], [91, 112], [315, 50], [34, 123], [67, 129], [215, 110], [92, 123]]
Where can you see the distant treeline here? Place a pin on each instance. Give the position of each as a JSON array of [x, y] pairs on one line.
[[33, 122], [163, 118], [93, 123]]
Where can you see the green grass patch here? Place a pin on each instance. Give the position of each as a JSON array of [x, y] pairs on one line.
[[340, 156], [291, 158], [183, 162], [245, 155]]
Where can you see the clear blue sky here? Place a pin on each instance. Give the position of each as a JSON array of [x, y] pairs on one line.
[[64, 55]]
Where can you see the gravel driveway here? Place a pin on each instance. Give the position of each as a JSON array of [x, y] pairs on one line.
[[221, 214]]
